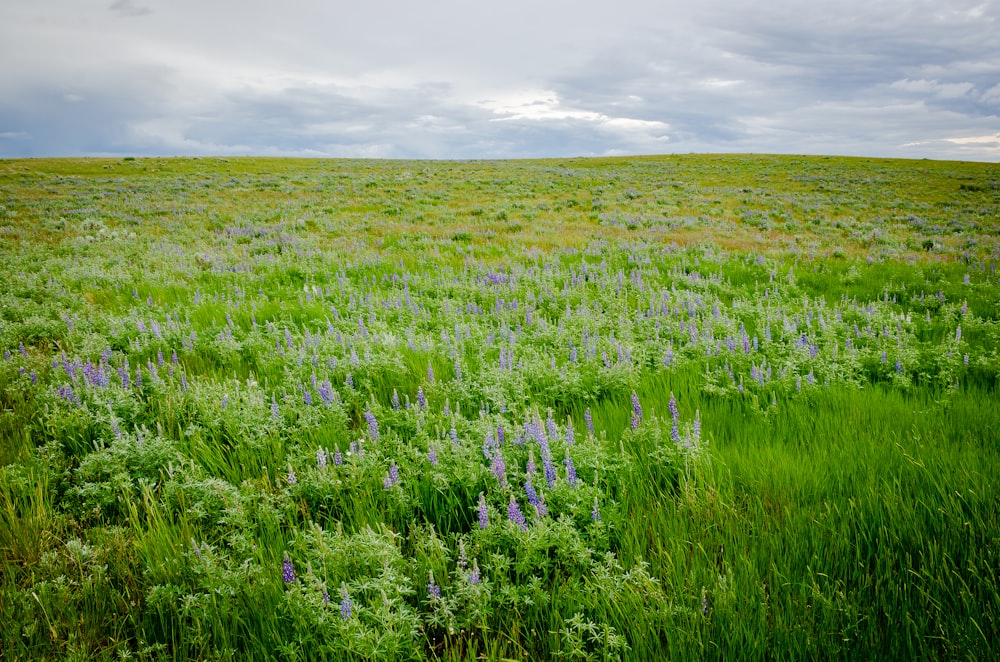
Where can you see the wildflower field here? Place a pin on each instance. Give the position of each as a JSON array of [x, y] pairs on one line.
[[641, 408]]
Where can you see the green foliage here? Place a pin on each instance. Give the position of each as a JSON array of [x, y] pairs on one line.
[[711, 406]]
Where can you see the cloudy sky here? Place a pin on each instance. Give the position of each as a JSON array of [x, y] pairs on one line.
[[499, 79]]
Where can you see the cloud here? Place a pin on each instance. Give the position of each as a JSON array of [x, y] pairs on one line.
[[933, 87], [518, 79], [129, 9]]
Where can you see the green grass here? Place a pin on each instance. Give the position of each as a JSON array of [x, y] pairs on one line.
[[195, 350]]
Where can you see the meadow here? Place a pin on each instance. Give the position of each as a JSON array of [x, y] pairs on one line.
[[679, 407]]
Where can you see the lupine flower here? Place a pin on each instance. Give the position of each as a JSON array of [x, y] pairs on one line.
[[307, 397], [474, 576], [549, 469], [570, 470], [372, 424], [349, 381], [345, 604], [432, 456], [395, 400], [484, 518], [595, 513], [514, 514], [288, 570], [391, 478], [588, 419], [321, 458], [274, 408], [338, 459], [421, 399], [292, 479], [430, 374], [499, 468], [636, 411], [433, 590]]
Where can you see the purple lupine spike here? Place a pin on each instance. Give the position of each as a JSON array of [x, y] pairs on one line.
[[432, 456], [395, 400], [307, 397], [287, 570], [696, 430], [474, 574], [550, 426], [570, 470], [514, 514], [588, 419], [292, 478], [321, 458], [570, 435], [274, 409], [595, 513], [421, 399], [500, 435], [433, 590], [447, 409], [345, 604], [349, 381], [636, 411], [484, 517], [372, 424], [530, 468], [499, 468], [338, 458], [430, 373], [549, 469]]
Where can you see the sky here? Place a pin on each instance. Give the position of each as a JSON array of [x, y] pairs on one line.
[[464, 79]]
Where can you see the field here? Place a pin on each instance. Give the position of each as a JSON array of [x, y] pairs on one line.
[[737, 407]]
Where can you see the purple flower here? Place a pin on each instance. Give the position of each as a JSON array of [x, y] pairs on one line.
[[421, 399], [589, 420], [499, 468], [570, 470], [595, 514], [292, 479], [549, 469], [514, 514], [395, 400], [345, 604], [321, 458], [288, 570], [474, 576], [433, 590], [338, 459], [484, 518], [432, 456], [636, 411], [274, 408], [697, 426], [372, 424], [349, 381], [391, 478]]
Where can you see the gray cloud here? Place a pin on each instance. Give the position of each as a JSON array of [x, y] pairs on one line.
[[129, 8], [463, 80]]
